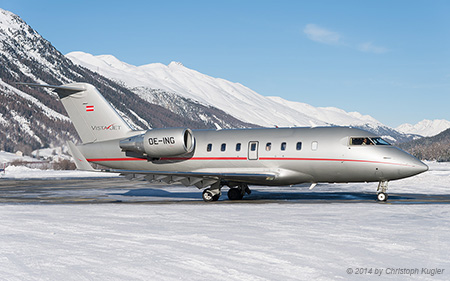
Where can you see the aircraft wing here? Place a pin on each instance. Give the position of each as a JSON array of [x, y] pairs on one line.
[[199, 179]]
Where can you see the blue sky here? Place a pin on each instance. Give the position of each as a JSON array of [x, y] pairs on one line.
[[388, 59]]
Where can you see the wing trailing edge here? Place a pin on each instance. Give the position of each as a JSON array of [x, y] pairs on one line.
[[198, 179]]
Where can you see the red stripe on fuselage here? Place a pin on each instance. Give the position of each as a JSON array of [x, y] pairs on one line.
[[333, 160], [165, 158], [244, 158]]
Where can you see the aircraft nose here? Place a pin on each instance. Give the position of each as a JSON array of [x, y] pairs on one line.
[[416, 167], [421, 167], [407, 165]]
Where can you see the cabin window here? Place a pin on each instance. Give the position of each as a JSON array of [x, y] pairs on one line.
[[209, 147], [223, 147], [238, 147], [283, 146], [253, 147], [268, 146], [314, 145], [299, 145]]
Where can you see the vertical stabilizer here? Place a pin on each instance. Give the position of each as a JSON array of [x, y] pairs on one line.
[[93, 117]]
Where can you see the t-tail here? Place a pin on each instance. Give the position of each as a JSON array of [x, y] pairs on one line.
[[93, 117]]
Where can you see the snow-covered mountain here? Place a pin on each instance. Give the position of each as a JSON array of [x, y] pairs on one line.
[[33, 118], [234, 98], [29, 118], [426, 128]]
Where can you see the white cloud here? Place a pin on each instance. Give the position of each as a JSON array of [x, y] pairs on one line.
[[322, 35], [368, 47], [325, 36]]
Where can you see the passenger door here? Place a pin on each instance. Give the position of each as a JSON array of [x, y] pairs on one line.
[[253, 150]]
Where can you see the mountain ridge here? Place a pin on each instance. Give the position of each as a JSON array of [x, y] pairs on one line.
[[426, 128], [217, 92], [233, 98]]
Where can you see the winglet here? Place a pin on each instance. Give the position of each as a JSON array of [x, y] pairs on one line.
[[78, 157]]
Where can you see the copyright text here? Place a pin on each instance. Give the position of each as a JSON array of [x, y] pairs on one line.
[[394, 271]]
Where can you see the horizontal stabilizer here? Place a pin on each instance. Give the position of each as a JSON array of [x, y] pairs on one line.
[[62, 91]]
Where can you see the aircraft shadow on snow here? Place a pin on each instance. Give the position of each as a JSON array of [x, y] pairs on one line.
[[305, 197]]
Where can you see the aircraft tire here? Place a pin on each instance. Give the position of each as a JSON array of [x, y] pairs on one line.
[[235, 194], [382, 197]]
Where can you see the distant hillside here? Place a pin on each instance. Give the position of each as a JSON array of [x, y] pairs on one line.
[[430, 148], [425, 128]]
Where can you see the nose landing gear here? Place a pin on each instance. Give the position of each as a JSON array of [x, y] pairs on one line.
[[213, 193], [381, 191], [210, 195]]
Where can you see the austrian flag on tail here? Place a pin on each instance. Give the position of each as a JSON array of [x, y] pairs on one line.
[[89, 108]]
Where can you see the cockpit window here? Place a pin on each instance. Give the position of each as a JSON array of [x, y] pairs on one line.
[[361, 141], [380, 141], [368, 141]]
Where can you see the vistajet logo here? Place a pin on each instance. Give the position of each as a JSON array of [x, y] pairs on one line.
[[112, 127]]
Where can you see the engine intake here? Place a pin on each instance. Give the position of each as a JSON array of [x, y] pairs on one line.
[[158, 143]]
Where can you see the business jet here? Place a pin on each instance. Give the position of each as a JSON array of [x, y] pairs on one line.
[[237, 158]]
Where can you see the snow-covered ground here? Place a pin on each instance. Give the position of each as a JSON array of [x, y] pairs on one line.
[[288, 240], [24, 173], [7, 157]]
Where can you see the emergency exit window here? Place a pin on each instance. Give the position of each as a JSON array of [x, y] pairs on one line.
[[314, 145]]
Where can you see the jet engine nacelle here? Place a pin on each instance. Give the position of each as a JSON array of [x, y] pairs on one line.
[[158, 143]]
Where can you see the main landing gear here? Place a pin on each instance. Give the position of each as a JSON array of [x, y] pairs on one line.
[[381, 191], [238, 192], [235, 193]]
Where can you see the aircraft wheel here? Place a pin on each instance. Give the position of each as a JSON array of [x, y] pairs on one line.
[[235, 194], [382, 197], [209, 196]]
